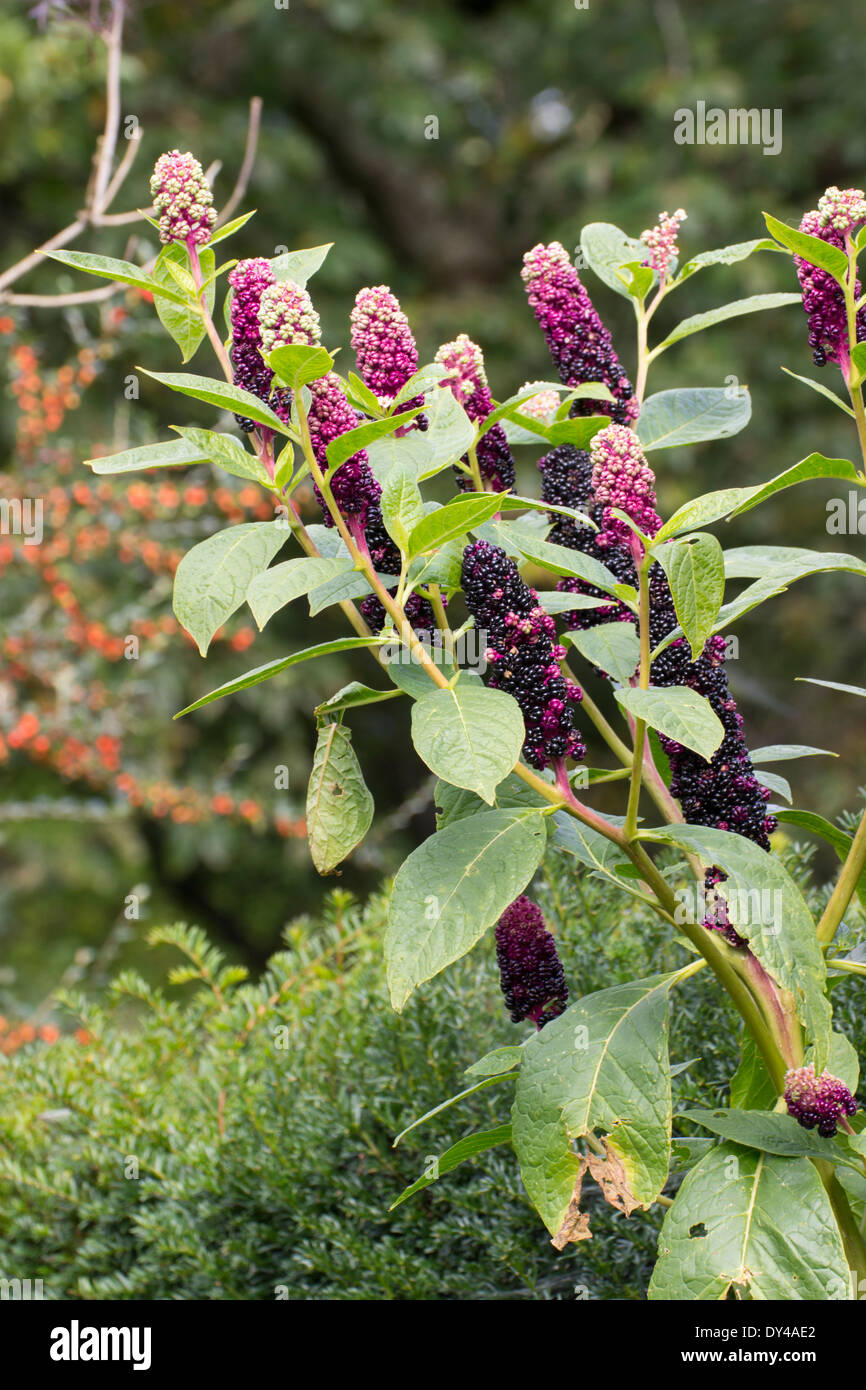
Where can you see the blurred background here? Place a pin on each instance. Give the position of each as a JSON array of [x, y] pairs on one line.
[[545, 116]]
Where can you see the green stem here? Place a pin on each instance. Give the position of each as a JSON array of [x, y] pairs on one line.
[[643, 684], [846, 886]]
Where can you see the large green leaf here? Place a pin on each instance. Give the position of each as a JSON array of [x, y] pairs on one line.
[[221, 394], [348, 444], [449, 434], [814, 466], [612, 647], [771, 1133], [468, 735], [452, 888], [752, 1086], [602, 1066], [753, 1225], [297, 364], [702, 511], [273, 588], [122, 272], [226, 452], [605, 248], [695, 570], [767, 908], [173, 453], [273, 668], [678, 713], [725, 255], [339, 805], [402, 505], [811, 248], [671, 419], [697, 322], [570, 563], [782, 564], [447, 523], [183, 322], [455, 803], [212, 579], [300, 266]]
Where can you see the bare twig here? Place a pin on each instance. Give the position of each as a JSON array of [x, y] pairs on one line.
[[113, 37], [247, 163]]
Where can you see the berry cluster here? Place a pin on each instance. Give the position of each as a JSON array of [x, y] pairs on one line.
[[249, 280], [622, 478], [522, 653], [817, 1100], [838, 215], [463, 362], [530, 971], [383, 343], [661, 242], [182, 199], [579, 343]]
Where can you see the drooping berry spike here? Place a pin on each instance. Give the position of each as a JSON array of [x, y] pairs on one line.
[[579, 343], [530, 971], [661, 242], [382, 342], [182, 199], [522, 653], [463, 364], [622, 478], [839, 214], [249, 280], [817, 1100]]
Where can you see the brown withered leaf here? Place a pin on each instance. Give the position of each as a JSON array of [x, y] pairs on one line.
[[575, 1223], [609, 1172]]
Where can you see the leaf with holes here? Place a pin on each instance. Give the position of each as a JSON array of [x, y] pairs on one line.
[[339, 805]]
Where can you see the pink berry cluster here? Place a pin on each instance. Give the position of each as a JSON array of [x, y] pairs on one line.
[[661, 242], [622, 478], [382, 342], [817, 1100], [463, 364], [543, 405], [530, 971], [182, 199], [579, 343]]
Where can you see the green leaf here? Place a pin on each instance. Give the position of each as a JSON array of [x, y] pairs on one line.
[[678, 713], [612, 647], [343, 587], [811, 248], [300, 266], [452, 521], [225, 451], [858, 359], [780, 785], [771, 1133], [767, 908], [339, 805], [552, 601], [595, 850], [427, 378], [352, 695], [469, 736], [348, 444], [696, 323], [815, 466], [783, 564], [602, 1066], [822, 391], [469, 1147], [184, 323], [273, 668], [402, 506], [297, 364], [448, 436], [695, 570], [605, 248], [455, 803], [755, 1225], [221, 394], [173, 453], [751, 1085], [408, 673], [701, 511], [497, 1062], [570, 563], [452, 1100], [452, 888], [121, 272], [230, 227], [361, 396], [272, 589], [671, 419], [833, 685], [724, 255], [817, 825], [782, 752], [212, 579]]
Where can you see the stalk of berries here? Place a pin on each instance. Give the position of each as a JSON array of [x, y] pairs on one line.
[[384, 347], [522, 653], [817, 1100], [579, 343], [182, 199], [530, 971], [463, 363], [837, 218], [249, 280], [661, 243]]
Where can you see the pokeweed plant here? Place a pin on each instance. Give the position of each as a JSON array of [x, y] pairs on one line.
[[772, 1202]]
